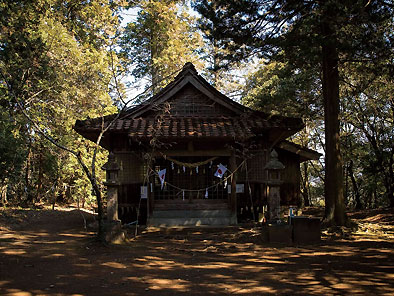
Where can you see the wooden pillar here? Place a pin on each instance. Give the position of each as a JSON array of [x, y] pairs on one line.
[[233, 196]]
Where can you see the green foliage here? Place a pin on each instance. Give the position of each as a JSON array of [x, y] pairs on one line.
[[279, 88], [54, 60], [369, 124], [303, 43], [291, 27], [12, 151], [159, 42]]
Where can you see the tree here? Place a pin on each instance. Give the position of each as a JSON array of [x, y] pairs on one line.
[[159, 42], [279, 88], [55, 68], [320, 33], [370, 116], [12, 153]]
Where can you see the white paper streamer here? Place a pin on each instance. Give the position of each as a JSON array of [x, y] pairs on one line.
[[162, 176]]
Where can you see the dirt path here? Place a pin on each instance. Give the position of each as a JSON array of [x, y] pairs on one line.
[[50, 253]]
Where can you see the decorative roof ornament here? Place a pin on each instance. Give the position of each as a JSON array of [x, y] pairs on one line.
[[190, 66]]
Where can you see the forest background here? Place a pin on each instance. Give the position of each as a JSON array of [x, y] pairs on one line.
[[67, 60]]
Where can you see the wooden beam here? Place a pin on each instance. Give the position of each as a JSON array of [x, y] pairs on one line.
[[215, 152], [305, 153]]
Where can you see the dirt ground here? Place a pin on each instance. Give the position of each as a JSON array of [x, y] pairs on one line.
[[44, 252]]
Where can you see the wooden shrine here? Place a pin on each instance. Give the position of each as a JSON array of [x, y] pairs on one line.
[[190, 130]]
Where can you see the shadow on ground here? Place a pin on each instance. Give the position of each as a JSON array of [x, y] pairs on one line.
[[52, 254]]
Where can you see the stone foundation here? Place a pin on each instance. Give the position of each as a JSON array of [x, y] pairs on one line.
[[305, 230], [301, 230]]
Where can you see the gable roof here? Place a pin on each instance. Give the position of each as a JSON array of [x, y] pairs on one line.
[[138, 123], [188, 75]]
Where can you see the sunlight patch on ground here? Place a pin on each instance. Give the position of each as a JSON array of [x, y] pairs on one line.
[[17, 292], [254, 268], [238, 254], [54, 242], [81, 276], [56, 255], [219, 265], [157, 284], [41, 234], [116, 265], [171, 284], [388, 275], [14, 252], [73, 235], [343, 286], [270, 260], [248, 287]]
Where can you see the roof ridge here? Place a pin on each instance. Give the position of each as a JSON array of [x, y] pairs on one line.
[[188, 70]]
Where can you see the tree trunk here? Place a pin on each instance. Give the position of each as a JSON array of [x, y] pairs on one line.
[[29, 196], [305, 185], [390, 189], [333, 185], [3, 191], [346, 180], [389, 184], [356, 190], [391, 197], [40, 175], [99, 199]]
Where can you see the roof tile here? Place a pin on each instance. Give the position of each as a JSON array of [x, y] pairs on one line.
[[238, 127]]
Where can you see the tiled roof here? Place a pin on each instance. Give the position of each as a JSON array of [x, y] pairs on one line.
[[188, 71], [244, 123], [196, 127], [304, 152], [191, 127]]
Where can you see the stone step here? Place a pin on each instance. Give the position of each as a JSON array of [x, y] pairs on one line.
[[191, 217], [191, 213], [171, 222]]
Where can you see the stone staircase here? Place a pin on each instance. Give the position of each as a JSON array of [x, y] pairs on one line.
[[191, 217]]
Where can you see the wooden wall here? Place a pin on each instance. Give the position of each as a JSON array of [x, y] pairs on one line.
[[132, 168], [131, 178], [290, 189], [257, 176]]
